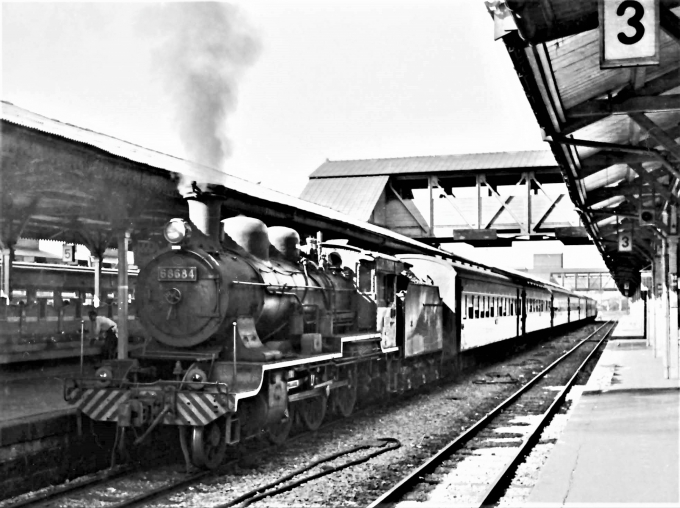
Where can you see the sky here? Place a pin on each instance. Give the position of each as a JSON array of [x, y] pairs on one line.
[[304, 81]]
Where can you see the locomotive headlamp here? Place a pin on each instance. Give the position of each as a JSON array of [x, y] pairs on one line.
[[195, 378], [176, 230], [104, 376]]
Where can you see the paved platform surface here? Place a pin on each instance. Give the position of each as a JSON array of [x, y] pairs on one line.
[[630, 325], [621, 445], [35, 389]]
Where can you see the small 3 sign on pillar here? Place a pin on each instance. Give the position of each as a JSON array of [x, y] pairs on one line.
[[625, 241], [629, 33]]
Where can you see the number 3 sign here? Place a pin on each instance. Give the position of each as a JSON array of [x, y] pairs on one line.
[[625, 242], [629, 33]]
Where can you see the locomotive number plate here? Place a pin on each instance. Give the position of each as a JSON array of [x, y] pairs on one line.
[[174, 274]]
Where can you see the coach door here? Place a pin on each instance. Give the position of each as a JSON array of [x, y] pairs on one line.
[[387, 271]]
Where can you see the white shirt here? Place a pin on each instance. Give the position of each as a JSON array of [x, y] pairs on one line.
[[102, 324]]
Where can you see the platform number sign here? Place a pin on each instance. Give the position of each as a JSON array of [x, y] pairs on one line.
[[626, 241], [629, 33], [69, 253]]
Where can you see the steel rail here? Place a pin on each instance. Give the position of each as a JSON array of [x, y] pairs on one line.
[[405, 485], [152, 495], [64, 489], [495, 491]]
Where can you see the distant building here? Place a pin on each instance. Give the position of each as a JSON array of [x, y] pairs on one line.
[[596, 282]]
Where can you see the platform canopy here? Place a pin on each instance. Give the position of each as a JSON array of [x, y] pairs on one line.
[[613, 129], [63, 182]]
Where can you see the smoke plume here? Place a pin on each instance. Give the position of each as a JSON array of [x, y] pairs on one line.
[[206, 48]]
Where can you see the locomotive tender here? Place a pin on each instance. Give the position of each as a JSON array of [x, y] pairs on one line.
[[245, 331]]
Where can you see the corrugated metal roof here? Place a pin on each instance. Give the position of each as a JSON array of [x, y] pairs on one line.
[[437, 164], [19, 116], [355, 196], [114, 146]]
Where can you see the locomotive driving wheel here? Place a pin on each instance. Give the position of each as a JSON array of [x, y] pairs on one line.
[[345, 398], [208, 444], [312, 411]]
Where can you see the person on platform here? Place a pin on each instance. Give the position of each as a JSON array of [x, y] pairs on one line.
[[106, 328]]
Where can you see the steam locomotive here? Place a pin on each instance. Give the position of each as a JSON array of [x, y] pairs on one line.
[[246, 331]]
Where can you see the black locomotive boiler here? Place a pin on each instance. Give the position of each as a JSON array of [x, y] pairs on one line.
[[246, 331]]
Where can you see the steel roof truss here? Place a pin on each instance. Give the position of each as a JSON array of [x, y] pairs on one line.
[[553, 204], [504, 204], [450, 198]]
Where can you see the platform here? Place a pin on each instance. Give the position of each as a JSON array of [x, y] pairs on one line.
[[621, 443], [630, 325], [36, 388]]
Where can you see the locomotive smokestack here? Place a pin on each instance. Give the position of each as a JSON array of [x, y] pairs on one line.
[[205, 212]]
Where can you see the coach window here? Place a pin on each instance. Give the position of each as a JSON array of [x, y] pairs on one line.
[[475, 305], [365, 278], [19, 295], [469, 299], [45, 299], [387, 290]]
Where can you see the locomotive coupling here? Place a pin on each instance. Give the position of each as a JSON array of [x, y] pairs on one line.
[[133, 413]]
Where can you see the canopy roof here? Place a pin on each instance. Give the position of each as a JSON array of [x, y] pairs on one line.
[[614, 131]]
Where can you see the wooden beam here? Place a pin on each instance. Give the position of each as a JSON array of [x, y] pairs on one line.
[[599, 107], [658, 134], [558, 138], [670, 23], [604, 213], [626, 190], [657, 86], [602, 160]]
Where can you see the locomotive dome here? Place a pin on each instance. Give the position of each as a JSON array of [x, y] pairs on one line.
[[286, 241], [250, 234]]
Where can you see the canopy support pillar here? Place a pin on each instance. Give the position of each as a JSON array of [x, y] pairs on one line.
[[672, 359], [123, 245]]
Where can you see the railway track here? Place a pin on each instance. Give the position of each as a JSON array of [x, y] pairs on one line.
[[126, 487], [136, 487], [524, 408]]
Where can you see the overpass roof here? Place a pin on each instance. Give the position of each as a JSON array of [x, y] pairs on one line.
[[439, 164]]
